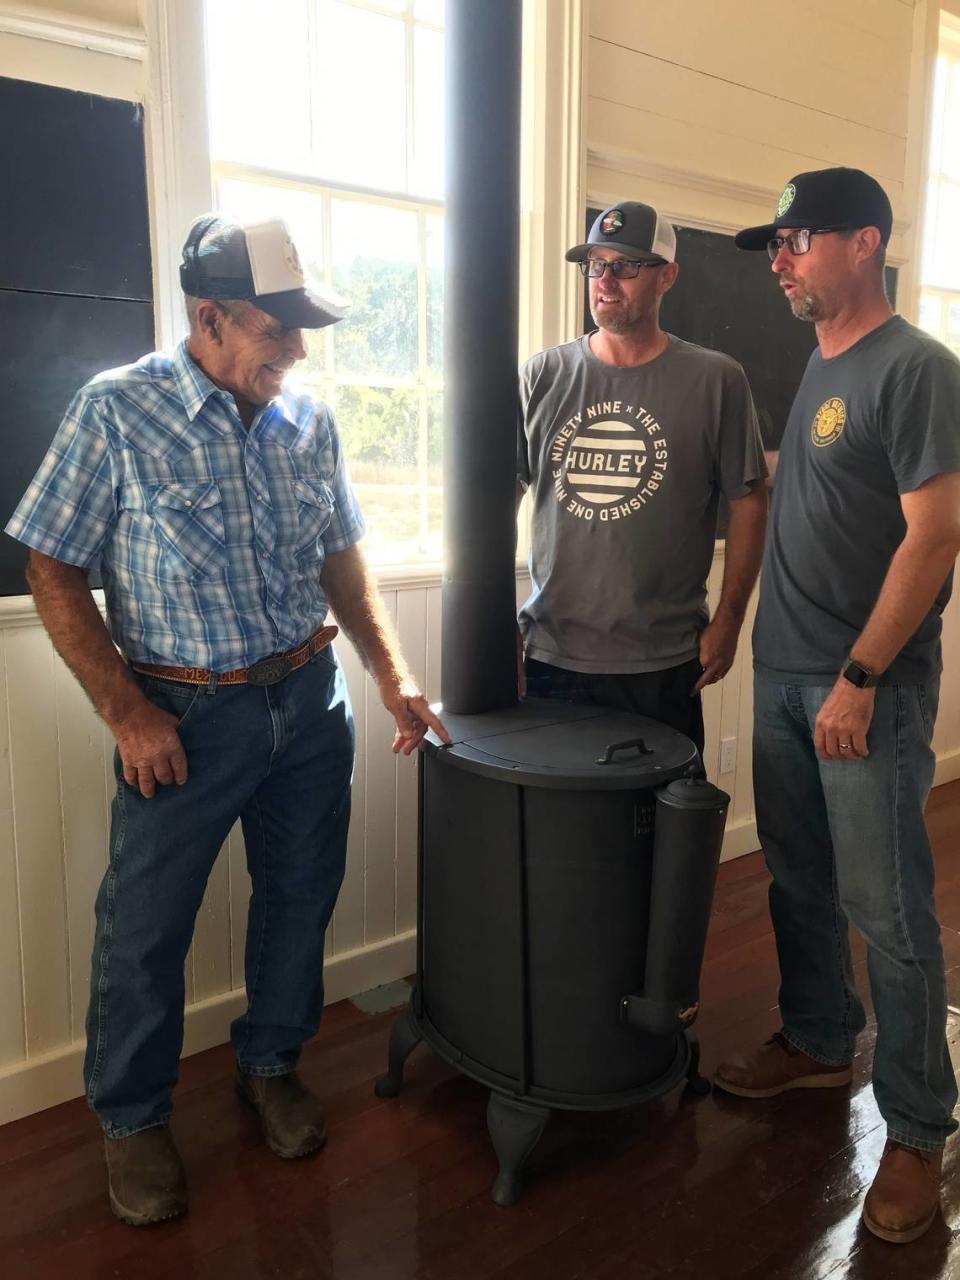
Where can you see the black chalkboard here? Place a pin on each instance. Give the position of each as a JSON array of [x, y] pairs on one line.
[[75, 272], [728, 299]]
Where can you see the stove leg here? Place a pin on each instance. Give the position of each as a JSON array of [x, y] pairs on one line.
[[697, 1084], [515, 1129], [404, 1037]]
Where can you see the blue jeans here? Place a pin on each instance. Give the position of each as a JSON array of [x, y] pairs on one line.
[[280, 759], [845, 841]]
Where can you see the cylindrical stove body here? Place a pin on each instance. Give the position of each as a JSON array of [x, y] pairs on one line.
[[536, 870]]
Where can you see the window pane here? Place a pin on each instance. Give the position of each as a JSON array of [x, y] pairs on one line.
[[426, 177], [941, 246], [930, 314], [950, 154], [380, 429], [253, 45], [375, 266], [360, 125], [435, 294]]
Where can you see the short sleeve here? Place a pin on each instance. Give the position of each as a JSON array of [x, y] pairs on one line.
[[921, 422], [740, 459], [69, 510], [346, 525]]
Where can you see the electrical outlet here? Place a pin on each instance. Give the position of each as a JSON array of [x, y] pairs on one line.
[[728, 755]]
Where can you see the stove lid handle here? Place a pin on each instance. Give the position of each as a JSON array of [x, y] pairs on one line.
[[614, 747]]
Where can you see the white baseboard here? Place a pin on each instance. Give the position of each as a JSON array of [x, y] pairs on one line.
[[740, 839], [948, 768], [56, 1077]]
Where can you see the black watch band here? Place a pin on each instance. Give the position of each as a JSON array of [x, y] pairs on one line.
[[858, 675]]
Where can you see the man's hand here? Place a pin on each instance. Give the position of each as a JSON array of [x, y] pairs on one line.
[[413, 717], [718, 648], [840, 730], [150, 748]]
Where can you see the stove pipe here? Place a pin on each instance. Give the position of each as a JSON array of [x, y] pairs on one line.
[[481, 292]]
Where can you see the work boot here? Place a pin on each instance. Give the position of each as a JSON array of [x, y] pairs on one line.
[[146, 1177], [292, 1118], [905, 1196], [776, 1067]]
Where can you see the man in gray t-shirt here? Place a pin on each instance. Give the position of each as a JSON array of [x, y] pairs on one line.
[[864, 531], [628, 438]]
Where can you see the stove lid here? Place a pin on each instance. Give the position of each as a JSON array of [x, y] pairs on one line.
[[553, 744]]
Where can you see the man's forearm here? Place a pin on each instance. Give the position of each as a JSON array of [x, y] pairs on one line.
[[917, 572], [743, 552], [73, 622], [356, 601]]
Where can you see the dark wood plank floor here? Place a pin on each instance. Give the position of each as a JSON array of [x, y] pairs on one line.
[[713, 1189]]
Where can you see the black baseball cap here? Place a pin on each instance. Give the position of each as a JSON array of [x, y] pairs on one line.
[[826, 199], [257, 262], [635, 229]]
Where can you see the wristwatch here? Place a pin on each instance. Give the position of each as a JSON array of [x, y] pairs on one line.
[[858, 674]]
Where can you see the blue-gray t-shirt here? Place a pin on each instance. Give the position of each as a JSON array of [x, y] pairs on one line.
[[866, 426]]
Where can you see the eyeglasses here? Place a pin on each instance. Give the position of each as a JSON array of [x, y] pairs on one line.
[[620, 268], [796, 242]]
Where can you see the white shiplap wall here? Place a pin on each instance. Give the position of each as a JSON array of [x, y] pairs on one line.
[[55, 788]]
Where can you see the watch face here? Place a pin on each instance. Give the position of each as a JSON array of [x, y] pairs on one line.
[[857, 675]]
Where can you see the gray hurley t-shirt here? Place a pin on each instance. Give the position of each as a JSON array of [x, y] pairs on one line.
[[625, 467], [865, 427]]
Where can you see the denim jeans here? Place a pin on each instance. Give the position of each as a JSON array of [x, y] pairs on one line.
[[280, 759], [662, 695], [845, 841]]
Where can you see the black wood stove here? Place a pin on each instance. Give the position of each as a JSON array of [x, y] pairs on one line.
[[567, 854]]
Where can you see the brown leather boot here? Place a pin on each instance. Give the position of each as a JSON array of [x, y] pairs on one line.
[[776, 1067], [292, 1118], [905, 1196], [146, 1177]]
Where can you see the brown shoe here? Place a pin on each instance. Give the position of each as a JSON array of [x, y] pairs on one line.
[[905, 1196], [146, 1178], [776, 1067], [292, 1118]]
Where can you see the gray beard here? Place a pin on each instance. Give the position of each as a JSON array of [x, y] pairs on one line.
[[626, 322], [806, 306]]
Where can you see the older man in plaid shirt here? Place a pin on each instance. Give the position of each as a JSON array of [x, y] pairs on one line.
[[217, 505]]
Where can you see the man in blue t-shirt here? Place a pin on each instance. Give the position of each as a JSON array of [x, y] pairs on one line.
[[864, 531]]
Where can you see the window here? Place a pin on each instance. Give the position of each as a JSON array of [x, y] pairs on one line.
[[940, 265], [329, 113]]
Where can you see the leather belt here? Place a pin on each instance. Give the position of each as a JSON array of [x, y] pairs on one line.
[[265, 672]]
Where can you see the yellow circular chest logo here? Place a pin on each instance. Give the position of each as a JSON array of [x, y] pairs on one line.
[[829, 422]]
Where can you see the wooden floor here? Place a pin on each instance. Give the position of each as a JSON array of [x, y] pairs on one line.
[[713, 1189]]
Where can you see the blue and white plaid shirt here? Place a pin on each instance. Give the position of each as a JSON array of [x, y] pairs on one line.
[[210, 538]]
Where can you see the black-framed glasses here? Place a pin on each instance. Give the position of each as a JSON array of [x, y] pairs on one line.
[[619, 268], [796, 242]]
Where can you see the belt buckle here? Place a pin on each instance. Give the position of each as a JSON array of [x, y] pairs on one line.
[[269, 670]]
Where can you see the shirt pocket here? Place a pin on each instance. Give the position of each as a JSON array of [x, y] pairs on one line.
[[315, 504], [188, 519]]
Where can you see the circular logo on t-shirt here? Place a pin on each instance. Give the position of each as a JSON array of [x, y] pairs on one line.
[[607, 468], [829, 422]]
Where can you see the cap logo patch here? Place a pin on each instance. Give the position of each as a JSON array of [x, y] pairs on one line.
[[292, 258], [612, 222], [829, 422], [787, 199]]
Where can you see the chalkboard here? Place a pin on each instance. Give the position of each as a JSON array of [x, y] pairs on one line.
[[75, 272], [728, 299]]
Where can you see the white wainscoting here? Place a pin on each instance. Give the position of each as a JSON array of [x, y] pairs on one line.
[[55, 788]]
